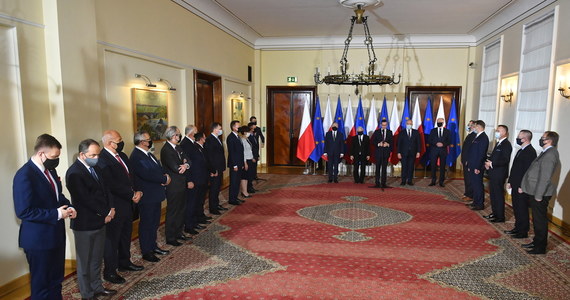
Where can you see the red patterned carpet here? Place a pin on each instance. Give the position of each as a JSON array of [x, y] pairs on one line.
[[303, 239]]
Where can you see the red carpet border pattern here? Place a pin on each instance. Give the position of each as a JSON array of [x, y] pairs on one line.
[[300, 238]]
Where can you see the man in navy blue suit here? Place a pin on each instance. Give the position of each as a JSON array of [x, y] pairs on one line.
[[151, 180], [408, 151], [42, 207], [197, 178], [236, 162], [497, 167], [334, 151], [475, 164], [215, 155], [439, 140]]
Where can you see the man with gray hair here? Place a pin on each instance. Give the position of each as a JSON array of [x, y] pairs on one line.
[[360, 154]]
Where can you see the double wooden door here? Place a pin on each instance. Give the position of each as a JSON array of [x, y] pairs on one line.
[[208, 101], [284, 114]]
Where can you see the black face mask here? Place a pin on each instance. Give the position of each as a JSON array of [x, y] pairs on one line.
[[51, 164], [360, 132], [519, 141], [254, 123], [149, 144], [541, 143], [334, 128], [120, 146], [439, 124]]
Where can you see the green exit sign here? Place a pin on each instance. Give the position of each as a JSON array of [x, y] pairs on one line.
[[292, 79]]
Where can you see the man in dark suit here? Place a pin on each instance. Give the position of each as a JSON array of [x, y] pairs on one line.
[[254, 142], [468, 194], [475, 164], [151, 180], [236, 162], [497, 167], [439, 140], [42, 207], [257, 134], [95, 208], [538, 182], [117, 174], [334, 151], [198, 179], [175, 164], [524, 157], [215, 155], [360, 154], [382, 140], [408, 151]]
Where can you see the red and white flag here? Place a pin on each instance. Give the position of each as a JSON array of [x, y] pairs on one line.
[[395, 127], [306, 143], [417, 119]]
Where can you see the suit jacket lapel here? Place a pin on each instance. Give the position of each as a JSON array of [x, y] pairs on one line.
[[44, 180]]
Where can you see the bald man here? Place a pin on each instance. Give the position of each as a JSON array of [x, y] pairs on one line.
[[116, 169]]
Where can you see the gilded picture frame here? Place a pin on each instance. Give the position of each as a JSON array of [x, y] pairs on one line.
[[150, 112], [238, 110]]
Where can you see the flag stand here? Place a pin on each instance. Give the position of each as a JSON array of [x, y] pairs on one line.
[[307, 169]]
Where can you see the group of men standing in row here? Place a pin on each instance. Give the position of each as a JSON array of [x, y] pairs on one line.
[[108, 189]]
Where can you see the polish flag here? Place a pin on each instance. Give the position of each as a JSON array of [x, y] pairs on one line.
[[395, 127], [327, 118], [306, 143], [441, 112], [417, 119]]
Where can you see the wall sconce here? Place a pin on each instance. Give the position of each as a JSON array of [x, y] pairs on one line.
[[240, 95], [167, 83], [146, 79], [563, 92], [508, 97]]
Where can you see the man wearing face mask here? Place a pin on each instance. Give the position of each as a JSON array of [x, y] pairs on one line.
[[334, 148], [236, 162], [539, 183], [42, 207], [116, 169], [524, 157], [360, 154], [151, 180], [468, 194], [408, 151], [257, 134], [475, 164], [216, 158], [175, 164], [382, 140], [497, 167], [439, 140], [95, 208]]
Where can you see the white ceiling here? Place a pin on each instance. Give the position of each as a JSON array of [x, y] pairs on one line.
[[302, 23]]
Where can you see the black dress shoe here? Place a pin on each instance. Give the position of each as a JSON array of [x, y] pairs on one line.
[[198, 227], [410, 183], [207, 218], [150, 257], [251, 191], [402, 183], [174, 243], [131, 267], [386, 186], [240, 200], [106, 293], [336, 181], [536, 251], [473, 207], [184, 238], [114, 278], [222, 208], [491, 216], [245, 196], [497, 220], [205, 222], [234, 202], [191, 231], [376, 186], [431, 184], [511, 232], [160, 251], [330, 180], [528, 246], [520, 236], [215, 212], [442, 184]]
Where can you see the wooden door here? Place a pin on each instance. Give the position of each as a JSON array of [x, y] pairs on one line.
[[285, 113], [208, 101]]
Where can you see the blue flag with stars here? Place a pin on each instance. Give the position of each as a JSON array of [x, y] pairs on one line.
[[318, 133], [339, 118], [452, 125], [384, 114], [406, 114], [428, 126]]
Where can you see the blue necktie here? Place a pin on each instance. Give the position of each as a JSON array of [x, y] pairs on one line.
[[92, 171]]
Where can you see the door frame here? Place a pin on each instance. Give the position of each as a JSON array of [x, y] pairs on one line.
[[270, 89], [217, 109]]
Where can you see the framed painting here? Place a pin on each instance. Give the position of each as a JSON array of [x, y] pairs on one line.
[[150, 112], [238, 110]]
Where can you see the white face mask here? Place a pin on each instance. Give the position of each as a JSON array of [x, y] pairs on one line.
[[408, 126], [497, 135], [220, 132], [247, 134]]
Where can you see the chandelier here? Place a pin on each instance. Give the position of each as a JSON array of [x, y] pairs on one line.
[[368, 78]]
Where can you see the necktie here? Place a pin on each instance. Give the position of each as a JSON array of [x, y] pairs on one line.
[[440, 133], [152, 157], [122, 163], [49, 179], [92, 171], [383, 134], [334, 135], [360, 139], [409, 132]]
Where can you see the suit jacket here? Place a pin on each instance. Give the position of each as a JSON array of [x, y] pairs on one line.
[[478, 152], [360, 150], [36, 205], [215, 154], [89, 196], [235, 151], [200, 173], [537, 180], [254, 146], [521, 163], [149, 177], [171, 160], [377, 138], [501, 157], [408, 145], [257, 134], [187, 147], [465, 147], [334, 147], [434, 138], [119, 182]]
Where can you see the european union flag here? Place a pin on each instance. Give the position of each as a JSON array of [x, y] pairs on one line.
[[428, 126], [359, 119], [405, 114], [384, 114], [452, 125], [318, 133], [339, 118]]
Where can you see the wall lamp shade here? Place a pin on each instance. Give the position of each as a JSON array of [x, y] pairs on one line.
[[563, 92], [167, 83], [146, 79], [508, 97]]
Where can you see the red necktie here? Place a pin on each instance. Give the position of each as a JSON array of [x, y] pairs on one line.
[[49, 179], [122, 163]]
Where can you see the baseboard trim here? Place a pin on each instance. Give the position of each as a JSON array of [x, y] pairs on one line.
[[14, 285]]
